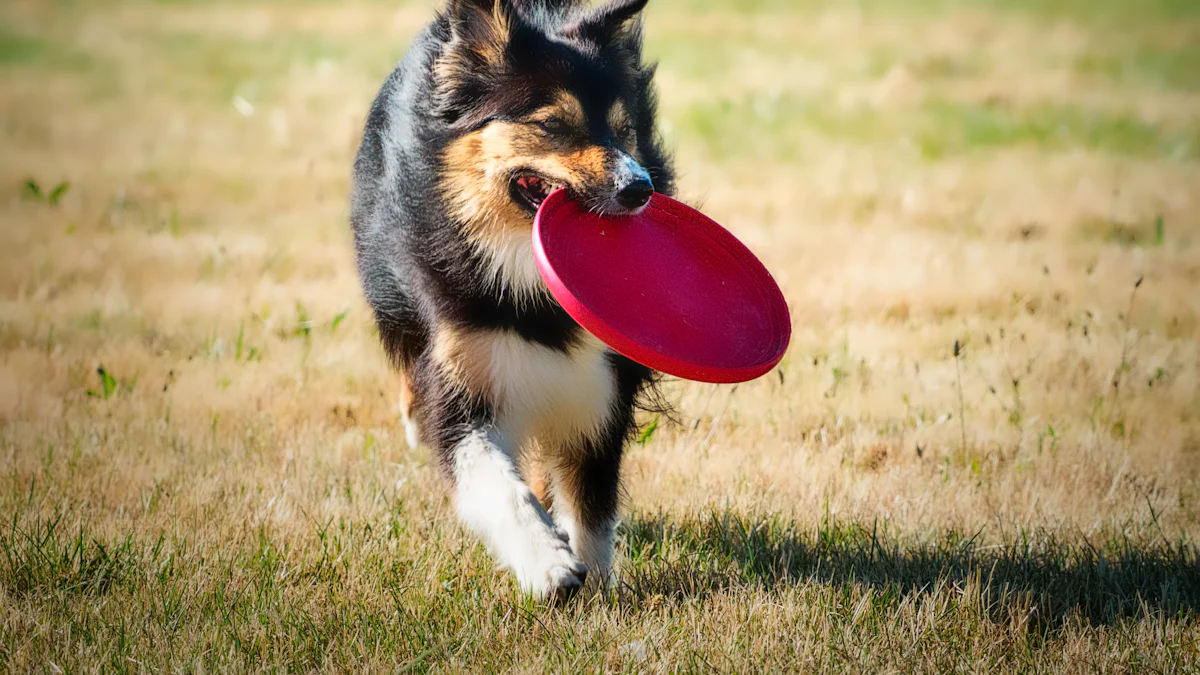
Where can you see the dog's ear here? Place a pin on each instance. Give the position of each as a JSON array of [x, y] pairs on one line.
[[474, 57], [482, 27], [604, 24]]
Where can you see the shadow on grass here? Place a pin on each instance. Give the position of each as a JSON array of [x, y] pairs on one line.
[[1060, 575]]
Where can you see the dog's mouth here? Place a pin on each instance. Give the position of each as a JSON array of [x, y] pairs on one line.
[[530, 190]]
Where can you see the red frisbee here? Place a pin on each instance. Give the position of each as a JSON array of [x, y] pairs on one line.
[[668, 288]]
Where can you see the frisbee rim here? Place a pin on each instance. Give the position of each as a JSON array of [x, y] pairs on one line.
[[648, 356]]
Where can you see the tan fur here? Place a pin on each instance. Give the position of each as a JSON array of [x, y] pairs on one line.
[[408, 405], [479, 165], [455, 61], [462, 360], [538, 476], [591, 161], [493, 49], [620, 123], [477, 170], [447, 67], [537, 392], [408, 399], [565, 107]]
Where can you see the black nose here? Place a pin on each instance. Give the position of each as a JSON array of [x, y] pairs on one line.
[[635, 195]]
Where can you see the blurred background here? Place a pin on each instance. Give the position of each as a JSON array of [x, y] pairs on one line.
[[985, 216]]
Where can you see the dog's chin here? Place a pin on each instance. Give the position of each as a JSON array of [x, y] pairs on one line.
[[529, 190], [616, 210]]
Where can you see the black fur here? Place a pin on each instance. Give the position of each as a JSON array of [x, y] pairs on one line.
[[418, 269]]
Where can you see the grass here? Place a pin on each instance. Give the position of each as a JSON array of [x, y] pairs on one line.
[[981, 453], [294, 604], [18, 48], [938, 127], [1167, 68]]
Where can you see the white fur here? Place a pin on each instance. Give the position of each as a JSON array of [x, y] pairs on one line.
[[412, 435], [593, 546], [553, 396], [498, 506], [544, 393], [512, 267]]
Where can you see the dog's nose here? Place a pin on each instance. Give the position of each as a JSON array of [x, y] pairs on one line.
[[635, 195]]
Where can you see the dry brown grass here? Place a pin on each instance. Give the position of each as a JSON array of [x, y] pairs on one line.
[[914, 173]]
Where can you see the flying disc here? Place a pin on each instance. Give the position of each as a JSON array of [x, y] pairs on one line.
[[668, 288]]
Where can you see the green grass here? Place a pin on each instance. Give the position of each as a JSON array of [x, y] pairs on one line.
[[19, 48], [271, 602], [1084, 11], [949, 127], [1102, 579], [240, 65], [783, 123], [200, 464], [1160, 67]]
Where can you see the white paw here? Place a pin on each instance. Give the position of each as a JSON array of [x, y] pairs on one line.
[[556, 574], [411, 436]]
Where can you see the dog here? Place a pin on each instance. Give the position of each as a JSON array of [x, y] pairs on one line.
[[497, 104]]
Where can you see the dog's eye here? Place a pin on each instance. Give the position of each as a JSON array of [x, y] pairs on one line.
[[552, 125]]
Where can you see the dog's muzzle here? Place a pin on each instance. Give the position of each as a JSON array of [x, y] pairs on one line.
[[634, 187]]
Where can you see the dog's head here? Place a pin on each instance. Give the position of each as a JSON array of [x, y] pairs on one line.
[[541, 95]]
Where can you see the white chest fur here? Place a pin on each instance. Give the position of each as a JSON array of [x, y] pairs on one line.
[[547, 393], [536, 391]]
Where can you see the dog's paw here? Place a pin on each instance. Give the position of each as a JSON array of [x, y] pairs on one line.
[[565, 581], [557, 576]]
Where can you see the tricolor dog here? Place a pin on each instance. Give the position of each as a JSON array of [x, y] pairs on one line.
[[497, 104]]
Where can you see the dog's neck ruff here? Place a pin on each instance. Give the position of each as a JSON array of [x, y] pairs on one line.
[[511, 269]]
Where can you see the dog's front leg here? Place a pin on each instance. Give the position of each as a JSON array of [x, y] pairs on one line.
[[584, 478], [496, 504]]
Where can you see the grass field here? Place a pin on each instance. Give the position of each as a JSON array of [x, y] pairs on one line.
[[200, 462]]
